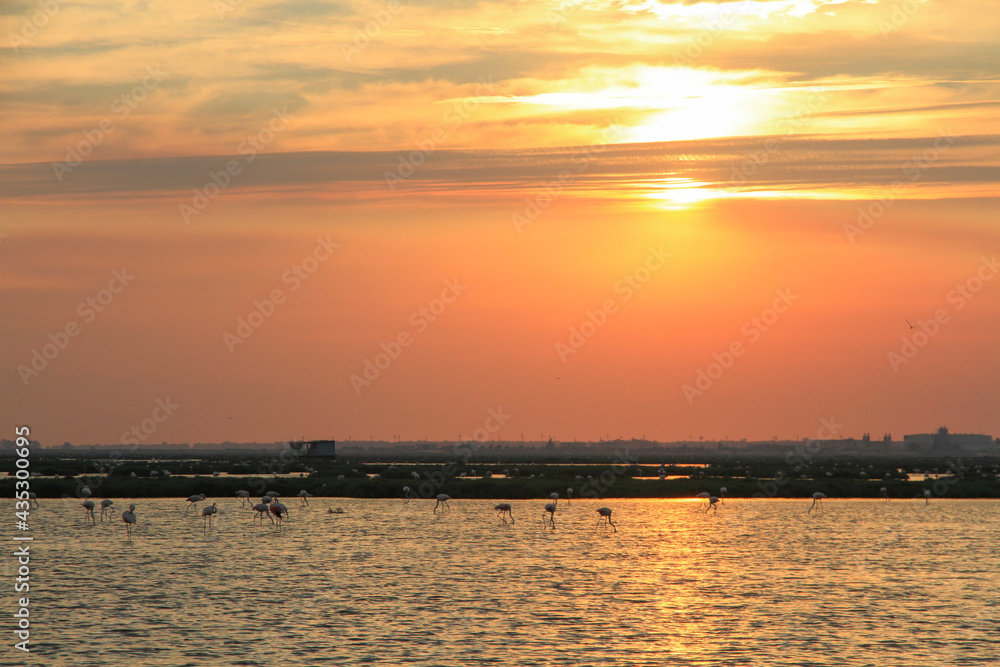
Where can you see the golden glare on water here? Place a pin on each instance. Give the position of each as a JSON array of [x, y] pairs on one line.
[[683, 193]]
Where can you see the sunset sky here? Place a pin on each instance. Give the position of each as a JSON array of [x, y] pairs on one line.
[[596, 219]]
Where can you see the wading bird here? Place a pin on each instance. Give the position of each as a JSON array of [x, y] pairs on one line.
[[885, 493], [33, 498], [817, 501], [193, 500], [128, 516], [605, 513], [279, 511], [206, 514], [712, 500], [88, 506], [550, 509], [569, 495], [305, 496], [704, 494], [406, 494], [442, 500], [503, 511], [261, 509], [85, 492], [927, 497], [244, 497], [106, 508], [722, 494]]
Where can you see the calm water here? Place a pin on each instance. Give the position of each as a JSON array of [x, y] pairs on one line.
[[757, 583]]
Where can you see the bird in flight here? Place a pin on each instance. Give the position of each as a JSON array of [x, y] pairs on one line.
[[911, 326]]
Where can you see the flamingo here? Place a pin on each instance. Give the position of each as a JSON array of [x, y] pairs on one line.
[[261, 508], [722, 494], [194, 501], [406, 494], [502, 510], [266, 500], [244, 497], [33, 498], [712, 500], [128, 516], [280, 511], [704, 494], [605, 513], [569, 495], [305, 496], [88, 506], [206, 514], [106, 508], [817, 500], [85, 492], [885, 493], [551, 509], [927, 497], [442, 500]]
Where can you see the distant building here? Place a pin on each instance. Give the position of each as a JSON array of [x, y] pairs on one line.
[[315, 447], [945, 442]]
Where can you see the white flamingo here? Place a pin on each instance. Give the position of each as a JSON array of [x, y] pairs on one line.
[[193, 501], [817, 501], [442, 500], [244, 497], [128, 516], [262, 511], [605, 513], [305, 496], [503, 511], [206, 514], [88, 506], [550, 509], [106, 508]]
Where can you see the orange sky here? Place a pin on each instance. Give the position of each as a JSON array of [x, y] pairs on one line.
[[573, 211]]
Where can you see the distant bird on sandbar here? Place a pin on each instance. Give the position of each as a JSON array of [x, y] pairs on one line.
[[88, 506], [194, 500], [244, 497], [106, 508], [206, 514]]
